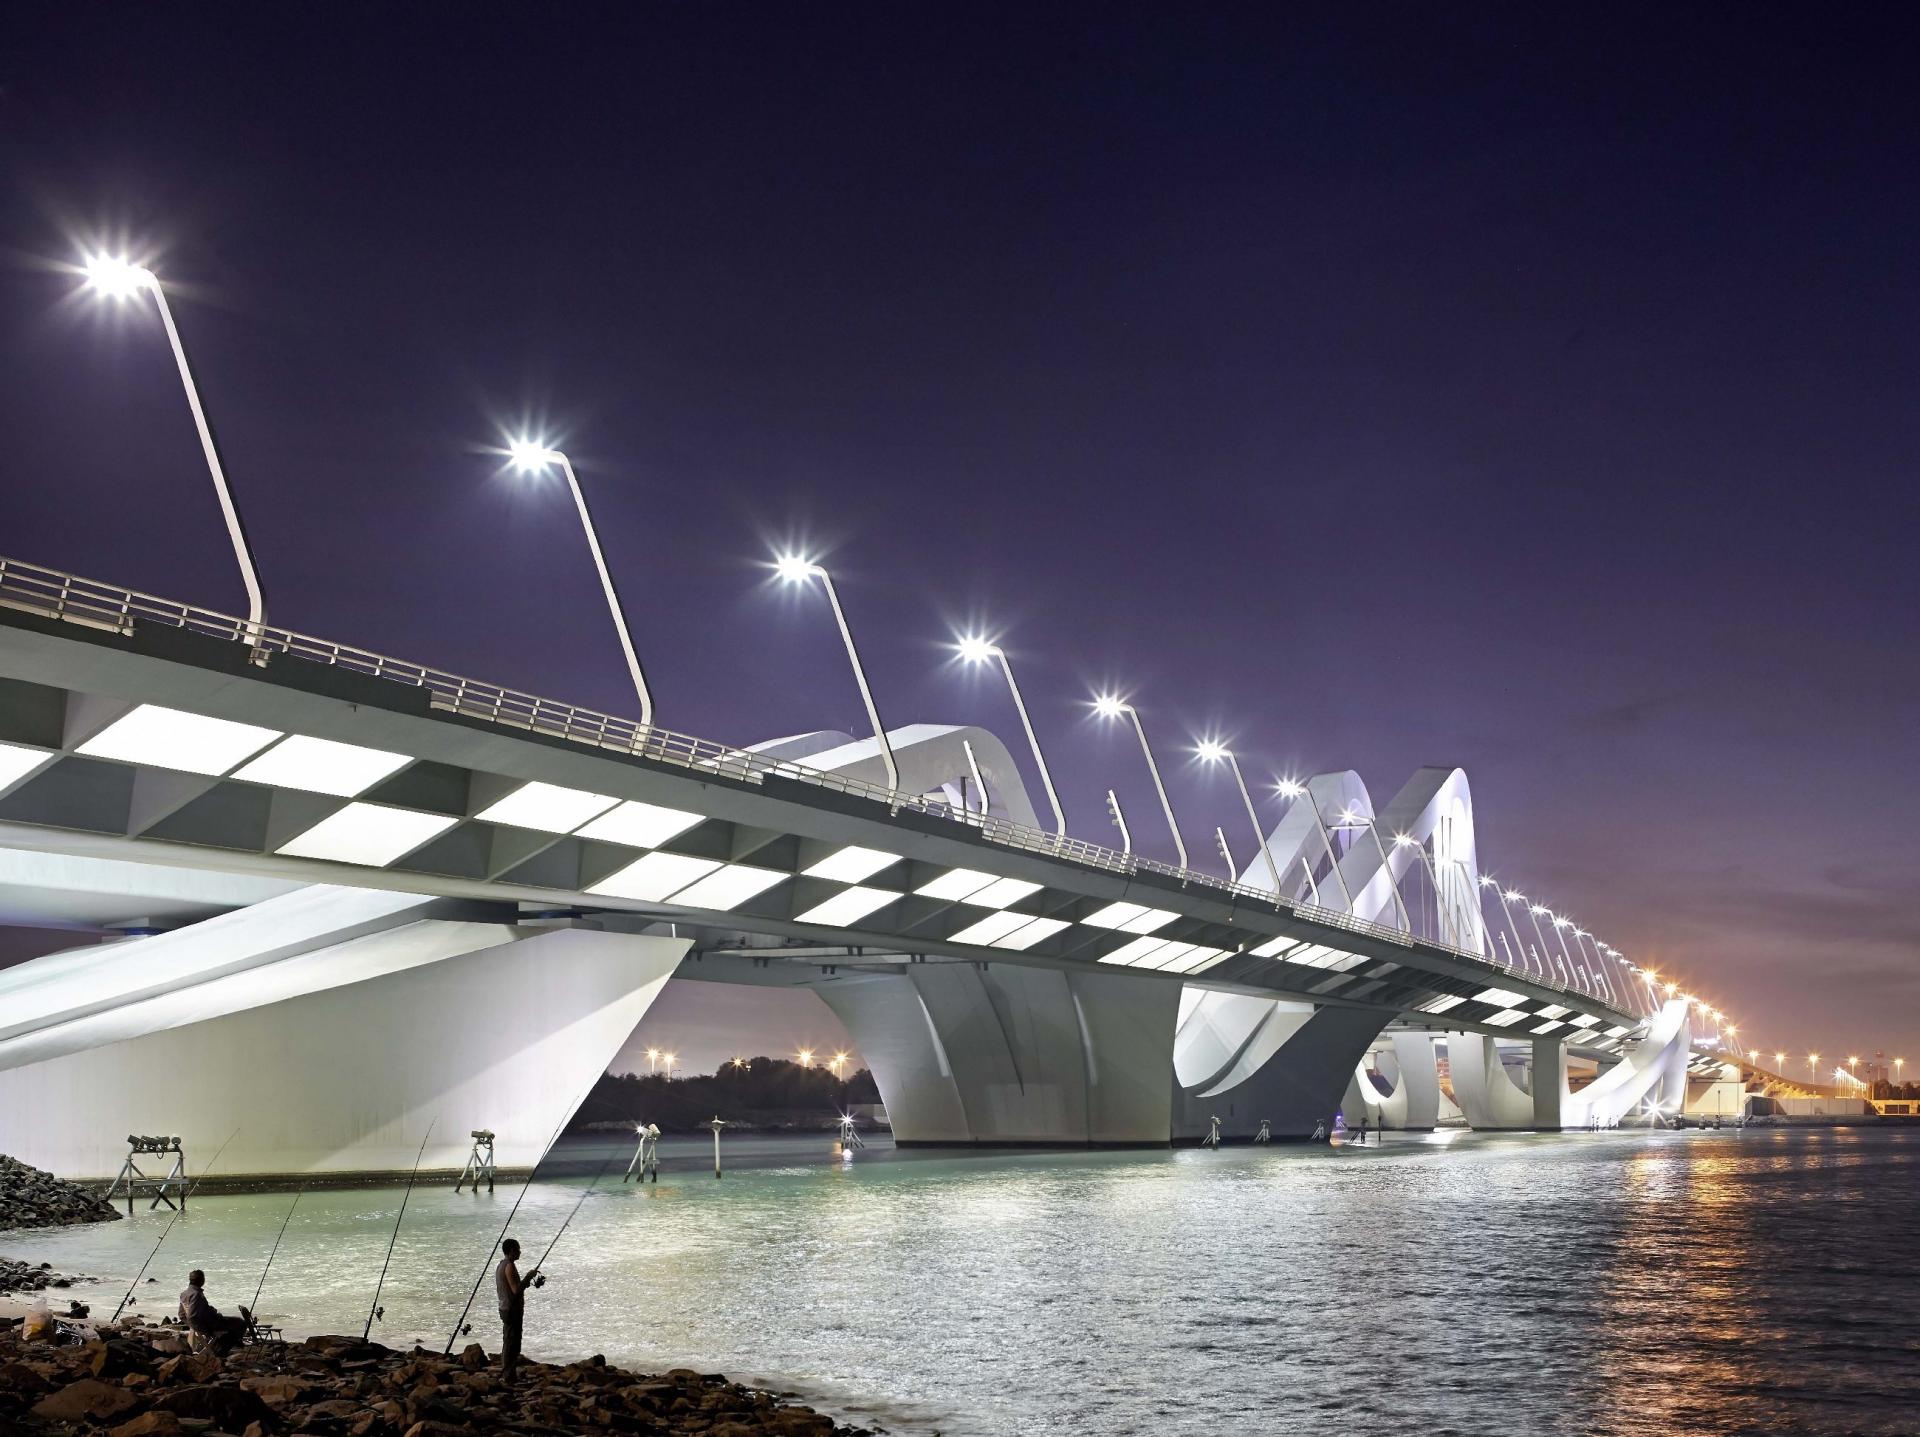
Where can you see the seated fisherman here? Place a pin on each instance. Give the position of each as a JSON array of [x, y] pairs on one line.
[[208, 1326]]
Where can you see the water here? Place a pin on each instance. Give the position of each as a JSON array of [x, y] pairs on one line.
[[1622, 1283]]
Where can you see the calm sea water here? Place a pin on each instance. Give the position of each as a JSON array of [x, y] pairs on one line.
[[1630, 1283]]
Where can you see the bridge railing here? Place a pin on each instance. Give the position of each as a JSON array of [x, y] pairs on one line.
[[70, 597]]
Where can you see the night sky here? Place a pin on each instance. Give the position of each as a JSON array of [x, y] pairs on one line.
[[1526, 389]]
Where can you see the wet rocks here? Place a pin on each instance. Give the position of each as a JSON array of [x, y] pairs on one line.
[[32, 1198], [32, 1277], [126, 1383]]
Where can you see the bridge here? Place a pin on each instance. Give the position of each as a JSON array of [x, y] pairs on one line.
[[359, 893]]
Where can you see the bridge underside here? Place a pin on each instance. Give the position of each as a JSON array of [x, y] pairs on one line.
[[325, 1027]]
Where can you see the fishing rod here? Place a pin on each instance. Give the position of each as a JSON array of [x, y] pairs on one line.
[[169, 1228], [276, 1247], [460, 1323], [375, 1310]]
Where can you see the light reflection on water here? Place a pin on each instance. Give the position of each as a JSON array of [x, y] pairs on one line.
[[1630, 1283]]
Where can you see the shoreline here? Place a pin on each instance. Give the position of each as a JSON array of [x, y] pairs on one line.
[[141, 1377]]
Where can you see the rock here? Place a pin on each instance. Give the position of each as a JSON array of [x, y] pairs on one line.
[[473, 1356], [32, 1198], [432, 1428], [279, 1388], [228, 1408], [150, 1424], [87, 1398]]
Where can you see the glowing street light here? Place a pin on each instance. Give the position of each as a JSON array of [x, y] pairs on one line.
[[1212, 752], [805, 1055], [116, 278], [531, 458], [672, 1060], [741, 1064], [979, 651], [1813, 1067], [837, 1062], [1108, 706], [653, 1059], [796, 570], [1898, 1064]]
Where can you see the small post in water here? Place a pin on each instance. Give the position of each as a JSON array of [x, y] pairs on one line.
[[717, 1124]]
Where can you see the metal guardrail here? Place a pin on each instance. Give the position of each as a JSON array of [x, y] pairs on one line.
[[69, 597]]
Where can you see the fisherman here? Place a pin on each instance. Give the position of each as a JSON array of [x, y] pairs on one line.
[[511, 1289], [210, 1329]]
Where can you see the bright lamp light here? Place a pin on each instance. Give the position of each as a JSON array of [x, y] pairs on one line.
[[1107, 706], [976, 650], [1290, 787], [528, 456], [1211, 751], [116, 277], [794, 569]]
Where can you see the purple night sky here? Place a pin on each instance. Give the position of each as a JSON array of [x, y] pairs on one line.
[[1526, 390]]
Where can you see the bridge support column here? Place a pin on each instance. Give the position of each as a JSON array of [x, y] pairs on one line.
[[994, 1054], [1487, 1096], [1299, 1086], [1549, 1084], [335, 1060], [1419, 1079]]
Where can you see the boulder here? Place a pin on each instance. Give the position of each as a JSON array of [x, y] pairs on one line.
[[228, 1408], [151, 1424], [87, 1399]]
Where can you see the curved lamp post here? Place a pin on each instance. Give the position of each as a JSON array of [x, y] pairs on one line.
[[1213, 752], [530, 458], [1109, 707], [979, 651], [119, 279], [796, 570]]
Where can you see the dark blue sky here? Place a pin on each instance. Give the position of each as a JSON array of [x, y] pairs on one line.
[[1531, 390]]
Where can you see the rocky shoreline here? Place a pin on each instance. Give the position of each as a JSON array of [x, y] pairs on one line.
[[31, 1277], [133, 1380], [32, 1198]]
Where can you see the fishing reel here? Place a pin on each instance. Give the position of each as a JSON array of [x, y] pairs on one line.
[[379, 1314], [465, 1328], [539, 1279]]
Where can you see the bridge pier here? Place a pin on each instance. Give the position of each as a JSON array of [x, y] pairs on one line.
[[996, 1054], [1489, 1099], [323, 1031], [1299, 1083]]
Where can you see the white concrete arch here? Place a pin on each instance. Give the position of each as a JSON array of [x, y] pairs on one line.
[[930, 757]]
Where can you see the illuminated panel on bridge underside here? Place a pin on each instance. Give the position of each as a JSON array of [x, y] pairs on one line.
[[853, 864], [1548, 1026], [17, 762], [368, 833], [729, 888], [1499, 996], [1028, 934], [1130, 954], [992, 928], [1506, 1019], [547, 807], [1552, 1010], [1442, 1005], [654, 877], [955, 884], [1130, 918], [320, 765], [639, 825], [1274, 947], [168, 738], [1001, 892], [848, 907]]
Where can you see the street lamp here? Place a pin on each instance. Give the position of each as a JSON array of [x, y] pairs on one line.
[[805, 1056], [979, 651], [653, 1060], [118, 279], [531, 458], [796, 570], [837, 1062], [1109, 707], [1213, 752], [1813, 1067]]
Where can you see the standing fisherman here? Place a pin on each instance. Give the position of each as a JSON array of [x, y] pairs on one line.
[[511, 1289]]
